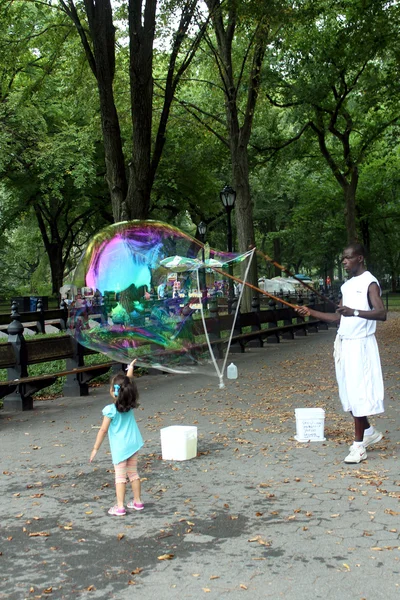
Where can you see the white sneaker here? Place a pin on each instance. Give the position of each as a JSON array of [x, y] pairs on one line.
[[375, 437], [357, 454]]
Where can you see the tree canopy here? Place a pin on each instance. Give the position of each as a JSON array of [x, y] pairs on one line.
[[147, 108]]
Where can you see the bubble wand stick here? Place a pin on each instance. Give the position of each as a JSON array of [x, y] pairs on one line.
[[257, 289], [282, 268]]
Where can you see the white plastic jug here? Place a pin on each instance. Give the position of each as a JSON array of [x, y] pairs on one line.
[[232, 371]]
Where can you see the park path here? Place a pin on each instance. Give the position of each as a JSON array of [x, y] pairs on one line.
[[256, 514]]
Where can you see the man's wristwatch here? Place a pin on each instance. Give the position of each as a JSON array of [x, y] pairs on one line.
[[356, 313]]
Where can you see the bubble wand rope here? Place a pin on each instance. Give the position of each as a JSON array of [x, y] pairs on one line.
[[282, 268], [257, 289]]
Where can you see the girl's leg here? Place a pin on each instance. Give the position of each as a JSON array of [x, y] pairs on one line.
[[120, 482], [136, 488], [120, 490], [134, 478]]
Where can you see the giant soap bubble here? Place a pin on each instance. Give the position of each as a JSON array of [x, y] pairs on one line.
[[150, 283]]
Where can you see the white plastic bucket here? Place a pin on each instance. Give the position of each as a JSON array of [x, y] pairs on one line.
[[310, 424], [179, 442]]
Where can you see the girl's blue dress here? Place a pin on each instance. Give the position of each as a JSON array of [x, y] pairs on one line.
[[123, 433]]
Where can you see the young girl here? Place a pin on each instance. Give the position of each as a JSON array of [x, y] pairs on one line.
[[125, 439]]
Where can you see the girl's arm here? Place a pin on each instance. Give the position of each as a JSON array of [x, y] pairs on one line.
[[100, 436], [129, 371]]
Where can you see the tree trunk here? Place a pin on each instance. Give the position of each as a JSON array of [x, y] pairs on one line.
[[141, 35], [244, 217], [56, 268], [350, 207], [102, 32]]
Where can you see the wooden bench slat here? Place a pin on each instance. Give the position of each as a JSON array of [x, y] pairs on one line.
[[59, 374]]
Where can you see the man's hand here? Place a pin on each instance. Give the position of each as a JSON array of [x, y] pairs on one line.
[[303, 311], [345, 311]]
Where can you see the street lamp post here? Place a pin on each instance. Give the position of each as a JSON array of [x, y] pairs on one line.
[[202, 229], [228, 198]]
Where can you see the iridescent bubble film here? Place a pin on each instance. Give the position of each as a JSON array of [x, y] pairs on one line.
[[143, 290]]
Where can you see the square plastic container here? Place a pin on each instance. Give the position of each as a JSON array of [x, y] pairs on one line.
[[179, 442], [310, 423]]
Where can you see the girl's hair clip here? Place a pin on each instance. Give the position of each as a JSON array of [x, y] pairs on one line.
[[116, 389]]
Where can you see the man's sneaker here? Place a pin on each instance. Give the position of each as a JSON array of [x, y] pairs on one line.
[[357, 454], [117, 512], [372, 439]]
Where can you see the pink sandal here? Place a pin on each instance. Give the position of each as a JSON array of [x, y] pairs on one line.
[[117, 512], [135, 505]]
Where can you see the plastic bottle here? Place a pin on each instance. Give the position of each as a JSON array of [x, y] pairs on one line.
[[232, 371]]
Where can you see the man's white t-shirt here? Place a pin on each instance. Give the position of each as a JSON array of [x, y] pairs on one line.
[[355, 295]]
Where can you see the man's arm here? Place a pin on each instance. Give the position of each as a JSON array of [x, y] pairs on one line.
[[378, 312], [305, 311]]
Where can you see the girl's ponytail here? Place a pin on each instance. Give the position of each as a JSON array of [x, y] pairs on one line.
[[125, 392]]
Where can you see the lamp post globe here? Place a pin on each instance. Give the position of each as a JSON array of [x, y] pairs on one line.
[[228, 198], [202, 229]]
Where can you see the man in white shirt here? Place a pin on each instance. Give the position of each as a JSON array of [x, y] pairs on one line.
[[357, 362]]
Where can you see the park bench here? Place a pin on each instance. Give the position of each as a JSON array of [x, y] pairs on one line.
[[37, 320], [18, 354], [263, 325]]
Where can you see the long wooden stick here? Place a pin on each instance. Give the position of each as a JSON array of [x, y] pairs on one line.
[[282, 268], [253, 287]]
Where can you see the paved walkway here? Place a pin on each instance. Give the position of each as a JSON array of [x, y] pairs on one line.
[[256, 514]]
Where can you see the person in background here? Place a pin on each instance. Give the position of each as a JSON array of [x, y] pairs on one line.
[[161, 291]]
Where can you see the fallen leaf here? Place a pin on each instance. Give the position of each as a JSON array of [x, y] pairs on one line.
[[165, 556], [243, 587], [91, 588], [260, 540], [346, 566], [136, 571], [214, 577], [206, 590], [131, 582], [120, 536], [48, 590], [38, 534]]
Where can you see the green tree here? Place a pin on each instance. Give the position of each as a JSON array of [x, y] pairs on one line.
[[130, 190], [335, 66], [49, 161]]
